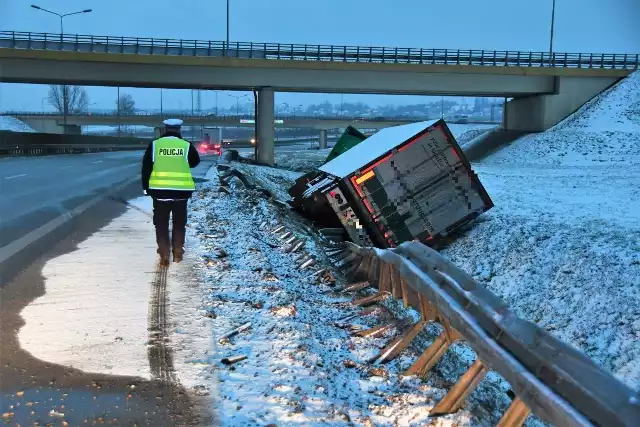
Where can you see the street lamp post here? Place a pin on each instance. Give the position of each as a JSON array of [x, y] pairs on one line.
[[227, 45], [553, 22], [65, 95]]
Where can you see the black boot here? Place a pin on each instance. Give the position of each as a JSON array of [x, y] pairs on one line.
[[178, 255], [164, 257]]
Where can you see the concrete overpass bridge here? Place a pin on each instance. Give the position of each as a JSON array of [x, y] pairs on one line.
[[546, 88], [53, 122]]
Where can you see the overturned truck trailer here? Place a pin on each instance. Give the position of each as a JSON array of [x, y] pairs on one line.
[[409, 182]]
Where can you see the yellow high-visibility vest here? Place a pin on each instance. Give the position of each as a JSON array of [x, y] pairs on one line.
[[171, 169]]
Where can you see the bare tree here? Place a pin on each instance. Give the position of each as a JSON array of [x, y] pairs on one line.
[[126, 104], [68, 99]]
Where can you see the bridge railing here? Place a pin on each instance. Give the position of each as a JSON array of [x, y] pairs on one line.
[[313, 52]]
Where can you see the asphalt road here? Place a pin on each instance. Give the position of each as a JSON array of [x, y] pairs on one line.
[[37, 190]]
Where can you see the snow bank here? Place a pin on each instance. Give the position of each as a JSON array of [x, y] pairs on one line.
[[14, 125], [301, 369], [604, 131], [562, 244], [616, 109]]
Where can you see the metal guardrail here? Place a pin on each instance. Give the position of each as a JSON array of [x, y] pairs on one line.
[[551, 379], [311, 52]]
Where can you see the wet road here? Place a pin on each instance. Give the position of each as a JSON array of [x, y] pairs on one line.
[[35, 392], [36, 189]]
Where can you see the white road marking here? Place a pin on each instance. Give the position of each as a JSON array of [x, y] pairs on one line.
[[66, 167], [16, 176], [97, 161]]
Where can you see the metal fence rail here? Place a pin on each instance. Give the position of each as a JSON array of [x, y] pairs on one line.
[[551, 379], [313, 52]]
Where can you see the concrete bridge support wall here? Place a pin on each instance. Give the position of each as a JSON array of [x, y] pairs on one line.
[[323, 139], [266, 130], [44, 125], [538, 113]]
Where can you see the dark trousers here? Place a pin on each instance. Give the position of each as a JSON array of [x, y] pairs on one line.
[[161, 211]]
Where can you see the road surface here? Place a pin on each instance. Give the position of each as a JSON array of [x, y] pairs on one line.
[[38, 392], [38, 190]]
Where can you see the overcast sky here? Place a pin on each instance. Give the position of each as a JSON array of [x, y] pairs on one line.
[[610, 26]]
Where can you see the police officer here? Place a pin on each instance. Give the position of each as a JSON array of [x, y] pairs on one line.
[[166, 177]]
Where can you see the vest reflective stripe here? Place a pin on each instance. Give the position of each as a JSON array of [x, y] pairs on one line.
[[171, 165]]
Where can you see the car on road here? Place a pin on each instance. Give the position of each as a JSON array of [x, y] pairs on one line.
[[210, 148]]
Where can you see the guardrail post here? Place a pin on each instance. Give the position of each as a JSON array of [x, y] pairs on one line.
[[278, 53], [458, 57], [565, 60], [358, 54], [409, 56], [331, 53], [166, 46], [383, 55], [345, 54], [602, 60], [395, 56], [580, 60], [446, 57], [305, 52], [495, 59], [637, 61], [122, 44], [518, 59], [370, 53], [591, 60], [516, 414], [461, 390], [421, 56]]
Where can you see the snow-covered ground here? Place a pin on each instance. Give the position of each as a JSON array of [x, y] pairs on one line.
[[300, 368], [14, 125], [563, 240], [561, 246]]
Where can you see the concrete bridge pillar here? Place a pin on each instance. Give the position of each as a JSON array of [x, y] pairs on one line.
[[72, 129], [538, 113], [323, 139], [266, 131]]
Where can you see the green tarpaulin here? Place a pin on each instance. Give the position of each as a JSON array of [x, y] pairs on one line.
[[349, 139]]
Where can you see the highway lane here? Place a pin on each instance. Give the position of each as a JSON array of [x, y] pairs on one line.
[[34, 190]]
